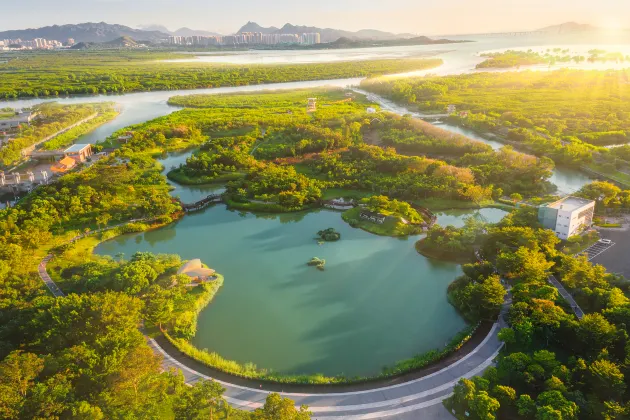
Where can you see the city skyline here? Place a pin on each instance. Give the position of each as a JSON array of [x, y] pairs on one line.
[[418, 17]]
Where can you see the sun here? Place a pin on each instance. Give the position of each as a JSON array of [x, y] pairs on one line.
[[611, 25]]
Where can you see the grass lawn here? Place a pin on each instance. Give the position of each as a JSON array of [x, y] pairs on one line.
[[439, 204], [391, 227], [437, 254], [181, 178], [331, 193], [615, 175], [578, 244]]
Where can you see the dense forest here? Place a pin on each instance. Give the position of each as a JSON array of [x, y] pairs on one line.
[[539, 374], [40, 74], [565, 115]]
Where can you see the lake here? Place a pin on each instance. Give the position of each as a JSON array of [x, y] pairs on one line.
[[378, 301]]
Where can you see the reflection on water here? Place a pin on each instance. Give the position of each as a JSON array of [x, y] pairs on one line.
[[378, 301], [457, 218]]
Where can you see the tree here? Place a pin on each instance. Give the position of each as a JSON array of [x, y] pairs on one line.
[[18, 372], [158, 307], [505, 394], [607, 379], [199, 401], [516, 197], [557, 402], [278, 408], [484, 406], [103, 219], [526, 406], [525, 265], [507, 335]]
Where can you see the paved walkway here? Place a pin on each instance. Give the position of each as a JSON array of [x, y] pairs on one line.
[[416, 399], [567, 296]]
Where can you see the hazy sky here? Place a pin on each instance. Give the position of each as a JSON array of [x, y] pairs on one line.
[[415, 16]]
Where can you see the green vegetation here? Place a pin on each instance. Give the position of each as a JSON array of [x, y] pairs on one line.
[[564, 115], [478, 294], [53, 349], [452, 244], [52, 119], [608, 196], [93, 72], [400, 218], [106, 113], [318, 263], [516, 58], [511, 58], [413, 136], [553, 366], [329, 235]]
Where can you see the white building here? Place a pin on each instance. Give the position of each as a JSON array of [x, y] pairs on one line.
[[23, 117], [567, 217]]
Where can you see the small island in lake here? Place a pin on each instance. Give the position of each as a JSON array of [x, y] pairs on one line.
[[328, 235], [317, 262]]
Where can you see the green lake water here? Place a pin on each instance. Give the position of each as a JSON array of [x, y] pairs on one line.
[[377, 302]]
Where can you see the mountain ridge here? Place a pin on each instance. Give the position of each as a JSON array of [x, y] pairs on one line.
[[327, 34], [84, 32]]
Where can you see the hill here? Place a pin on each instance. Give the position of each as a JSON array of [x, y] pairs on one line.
[[122, 42], [85, 32], [180, 32], [254, 27], [327, 34], [569, 27]]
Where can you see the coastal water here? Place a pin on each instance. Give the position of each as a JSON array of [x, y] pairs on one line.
[[378, 301]]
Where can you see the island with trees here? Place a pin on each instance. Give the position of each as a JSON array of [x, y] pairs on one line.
[[551, 56], [43, 74]]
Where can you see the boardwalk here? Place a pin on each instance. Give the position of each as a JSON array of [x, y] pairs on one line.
[[579, 313]]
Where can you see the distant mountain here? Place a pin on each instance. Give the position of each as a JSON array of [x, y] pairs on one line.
[[569, 27], [85, 32], [194, 32], [180, 32], [155, 28], [254, 27], [327, 34]]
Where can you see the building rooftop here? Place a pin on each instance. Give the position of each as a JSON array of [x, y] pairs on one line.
[[76, 148], [194, 268], [570, 203]]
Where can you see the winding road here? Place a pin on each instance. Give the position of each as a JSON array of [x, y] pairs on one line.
[[416, 399]]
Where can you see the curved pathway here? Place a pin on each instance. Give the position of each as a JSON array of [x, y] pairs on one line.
[[416, 399]]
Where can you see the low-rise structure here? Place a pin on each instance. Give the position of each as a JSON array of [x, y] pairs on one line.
[[79, 152], [64, 165], [23, 117], [197, 273], [567, 217], [373, 217]]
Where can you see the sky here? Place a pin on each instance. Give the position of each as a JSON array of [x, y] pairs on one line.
[[421, 17]]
